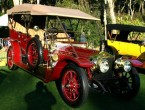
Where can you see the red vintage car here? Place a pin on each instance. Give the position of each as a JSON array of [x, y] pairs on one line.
[[45, 43]]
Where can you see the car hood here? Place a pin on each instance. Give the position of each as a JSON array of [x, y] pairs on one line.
[[82, 52]]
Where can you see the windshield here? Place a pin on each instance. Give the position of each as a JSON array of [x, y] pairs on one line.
[[78, 30]]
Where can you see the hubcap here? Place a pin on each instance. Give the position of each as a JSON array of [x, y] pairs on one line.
[[33, 54], [10, 58], [71, 85]]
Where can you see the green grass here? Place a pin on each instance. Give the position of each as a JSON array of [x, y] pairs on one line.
[[18, 92]]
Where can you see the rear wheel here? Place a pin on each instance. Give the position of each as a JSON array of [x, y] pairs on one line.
[[73, 85], [10, 57]]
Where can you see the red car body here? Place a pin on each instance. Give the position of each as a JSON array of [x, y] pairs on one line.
[[19, 43]]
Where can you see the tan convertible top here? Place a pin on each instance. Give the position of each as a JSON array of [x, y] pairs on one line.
[[35, 9]]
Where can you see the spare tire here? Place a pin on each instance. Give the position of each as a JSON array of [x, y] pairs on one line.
[[34, 53]]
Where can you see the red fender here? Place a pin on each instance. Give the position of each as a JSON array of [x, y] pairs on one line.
[[136, 63], [16, 51], [57, 70], [84, 63]]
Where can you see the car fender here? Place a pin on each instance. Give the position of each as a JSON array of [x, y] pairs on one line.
[[16, 51], [136, 63], [81, 62], [113, 49]]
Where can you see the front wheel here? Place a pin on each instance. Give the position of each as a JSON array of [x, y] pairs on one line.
[[73, 85], [128, 84]]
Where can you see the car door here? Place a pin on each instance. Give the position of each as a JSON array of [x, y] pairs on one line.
[[142, 53], [126, 48], [120, 46], [114, 44], [133, 49], [123, 48]]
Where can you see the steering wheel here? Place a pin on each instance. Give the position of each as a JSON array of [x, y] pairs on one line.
[[51, 34], [53, 31]]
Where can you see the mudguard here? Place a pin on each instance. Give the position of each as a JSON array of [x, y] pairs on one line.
[[136, 63], [16, 51], [81, 62]]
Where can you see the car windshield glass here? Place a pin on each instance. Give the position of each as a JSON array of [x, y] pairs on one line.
[[75, 28]]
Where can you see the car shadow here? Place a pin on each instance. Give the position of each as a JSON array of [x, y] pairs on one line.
[[109, 102], [3, 74], [40, 98]]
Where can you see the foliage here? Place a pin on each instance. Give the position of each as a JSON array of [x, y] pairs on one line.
[[71, 4], [1, 14], [125, 19], [92, 35]]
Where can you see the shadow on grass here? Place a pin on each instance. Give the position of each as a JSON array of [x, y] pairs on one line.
[[40, 99], [109, 102], [3, 75]]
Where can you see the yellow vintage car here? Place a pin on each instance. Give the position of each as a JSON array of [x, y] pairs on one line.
[[126, 40]]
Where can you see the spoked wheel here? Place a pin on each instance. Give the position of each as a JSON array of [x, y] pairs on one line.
[[128, 84], [73, 85], [34, 53], [10, 56]]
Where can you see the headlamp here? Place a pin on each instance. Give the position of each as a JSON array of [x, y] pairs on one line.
[[55, 57], [127, 66], [104, 65]]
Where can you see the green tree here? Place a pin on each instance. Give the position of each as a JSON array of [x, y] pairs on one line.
[[5, 4]]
